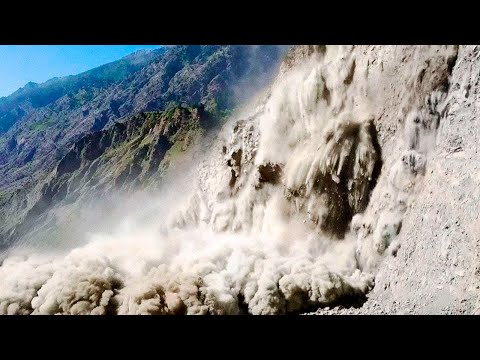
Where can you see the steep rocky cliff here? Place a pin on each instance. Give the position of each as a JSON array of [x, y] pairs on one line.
[[437, 267]]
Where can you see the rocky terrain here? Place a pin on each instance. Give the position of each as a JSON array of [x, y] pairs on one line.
[[350, 187], [436, 269], [40, 122], [125, 157]]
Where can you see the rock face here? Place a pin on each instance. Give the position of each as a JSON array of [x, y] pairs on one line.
[[436, 270], [40, 123]]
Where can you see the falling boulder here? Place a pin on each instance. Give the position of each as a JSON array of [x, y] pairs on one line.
[[269, 173]]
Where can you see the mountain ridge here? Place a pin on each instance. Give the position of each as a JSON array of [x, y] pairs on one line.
[[32, 94]]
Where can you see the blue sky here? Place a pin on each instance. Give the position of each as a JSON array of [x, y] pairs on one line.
[[20, 64]]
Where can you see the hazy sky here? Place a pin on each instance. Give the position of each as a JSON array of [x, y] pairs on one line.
[[20, 64]]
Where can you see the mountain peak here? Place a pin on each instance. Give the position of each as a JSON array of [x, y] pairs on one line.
[[30, 85]]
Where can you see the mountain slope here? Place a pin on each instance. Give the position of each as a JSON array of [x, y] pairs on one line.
[[33, 96], [125, 157], [219, 77], [437, 268]]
